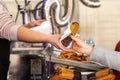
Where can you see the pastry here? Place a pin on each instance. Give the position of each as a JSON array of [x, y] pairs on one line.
[[74, 28]]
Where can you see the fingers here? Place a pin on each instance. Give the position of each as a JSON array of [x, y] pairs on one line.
[[76, 39], [55, 41], [41, 20], [37, 22], [64, 48]]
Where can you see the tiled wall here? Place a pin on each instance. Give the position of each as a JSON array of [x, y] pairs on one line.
[[102, 24]]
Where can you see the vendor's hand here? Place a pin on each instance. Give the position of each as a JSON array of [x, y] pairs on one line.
[[80, 46], [34, 23], [55, 41]]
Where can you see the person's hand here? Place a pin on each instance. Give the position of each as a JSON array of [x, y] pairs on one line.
[[80, 46], [34, 23], [55, 41]]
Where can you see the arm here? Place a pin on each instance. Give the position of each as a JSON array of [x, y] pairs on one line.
[[8, 28], [26, 35], [11, 31], [106, 57], [97, 54]]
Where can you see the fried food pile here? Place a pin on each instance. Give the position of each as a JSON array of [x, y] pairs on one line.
[[74, 56], [105, 74], [63, 73]]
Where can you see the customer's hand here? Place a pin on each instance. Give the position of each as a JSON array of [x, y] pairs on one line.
[[34, 23], [80, 46]]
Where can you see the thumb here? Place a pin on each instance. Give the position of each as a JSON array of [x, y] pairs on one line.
[[74, 38]]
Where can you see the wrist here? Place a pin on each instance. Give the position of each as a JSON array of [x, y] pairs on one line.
[[49, 37], [89, 50], [26, 25]]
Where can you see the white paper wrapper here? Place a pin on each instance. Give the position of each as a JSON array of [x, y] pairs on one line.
[[66, 34], [44, 27]]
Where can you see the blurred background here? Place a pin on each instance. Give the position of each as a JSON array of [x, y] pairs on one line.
[[99, 24]]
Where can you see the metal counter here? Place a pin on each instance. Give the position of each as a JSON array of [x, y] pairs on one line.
[[49, 56]]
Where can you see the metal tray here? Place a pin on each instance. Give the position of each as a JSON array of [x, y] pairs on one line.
[[85, 65]]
